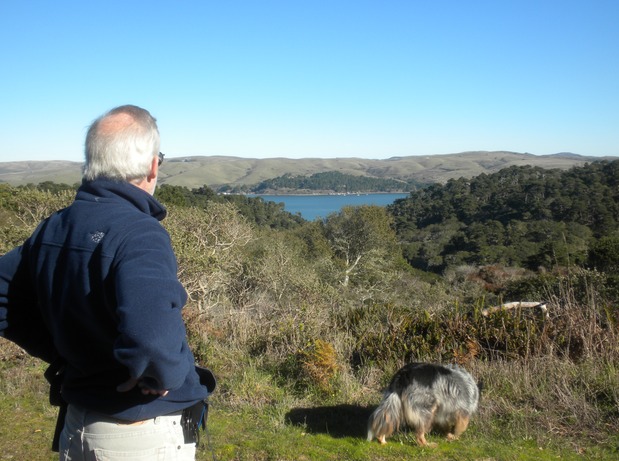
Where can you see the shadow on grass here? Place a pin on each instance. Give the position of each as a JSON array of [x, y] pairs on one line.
[[337, 421]]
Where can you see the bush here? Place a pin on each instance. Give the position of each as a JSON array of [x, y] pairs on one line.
[[23, 208], [319, 365]]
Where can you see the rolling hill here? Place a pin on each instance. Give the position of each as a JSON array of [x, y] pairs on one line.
[[215, 171]]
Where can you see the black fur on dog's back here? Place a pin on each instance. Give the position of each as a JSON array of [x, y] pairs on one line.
[[424, 396], [426, 374]]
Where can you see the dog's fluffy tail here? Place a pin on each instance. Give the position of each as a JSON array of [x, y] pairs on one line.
[[386, 419]]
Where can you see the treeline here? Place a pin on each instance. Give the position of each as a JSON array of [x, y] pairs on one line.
[[332, 181], [521, 216]]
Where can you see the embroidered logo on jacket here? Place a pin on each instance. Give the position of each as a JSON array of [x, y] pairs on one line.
[[97, 236]]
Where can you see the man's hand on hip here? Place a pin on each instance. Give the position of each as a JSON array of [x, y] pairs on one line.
[[145, 388]]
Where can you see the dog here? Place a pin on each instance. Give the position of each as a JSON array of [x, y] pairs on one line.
[[426, 396]]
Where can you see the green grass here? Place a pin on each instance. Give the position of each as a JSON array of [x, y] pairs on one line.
[[250, 435], [28, 421], [287, 429]]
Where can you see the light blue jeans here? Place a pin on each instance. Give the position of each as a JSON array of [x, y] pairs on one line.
[[91, 436]]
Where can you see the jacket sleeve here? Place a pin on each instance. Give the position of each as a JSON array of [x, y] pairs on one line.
[[20, 318], [152, 337]]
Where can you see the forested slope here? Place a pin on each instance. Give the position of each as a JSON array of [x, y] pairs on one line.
[[523, 216]]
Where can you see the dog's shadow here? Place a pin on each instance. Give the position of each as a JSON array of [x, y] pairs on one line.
[[338, 421]]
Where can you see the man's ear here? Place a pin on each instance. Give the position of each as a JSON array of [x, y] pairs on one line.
[[154, 169]]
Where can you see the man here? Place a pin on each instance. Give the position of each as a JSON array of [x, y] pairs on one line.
[[95, 291]]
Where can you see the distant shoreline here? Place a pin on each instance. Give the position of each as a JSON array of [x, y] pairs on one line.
[[318, 194]]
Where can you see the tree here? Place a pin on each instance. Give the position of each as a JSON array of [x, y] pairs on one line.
[[363, 238], [208, 243], [604, 254]]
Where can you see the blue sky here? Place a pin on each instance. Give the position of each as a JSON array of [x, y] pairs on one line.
[[297, 78]]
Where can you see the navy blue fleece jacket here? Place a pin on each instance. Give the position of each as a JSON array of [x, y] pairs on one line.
[[96, 285]]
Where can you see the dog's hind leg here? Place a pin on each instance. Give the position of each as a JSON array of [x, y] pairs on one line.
[[423, 425], [462, 422], [421, 440], [420, 407], [420, 436]]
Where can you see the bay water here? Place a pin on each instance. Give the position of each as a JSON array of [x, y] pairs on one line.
[[312, 207]]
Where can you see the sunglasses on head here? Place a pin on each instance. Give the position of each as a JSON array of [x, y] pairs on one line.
[[160, 158]]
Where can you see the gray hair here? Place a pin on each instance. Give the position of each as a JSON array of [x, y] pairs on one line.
[[121, 144]]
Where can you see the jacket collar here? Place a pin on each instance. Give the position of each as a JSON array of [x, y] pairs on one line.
[[107, 189]]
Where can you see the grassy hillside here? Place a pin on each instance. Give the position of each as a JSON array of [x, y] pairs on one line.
[[194, 172], [58, 171]]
